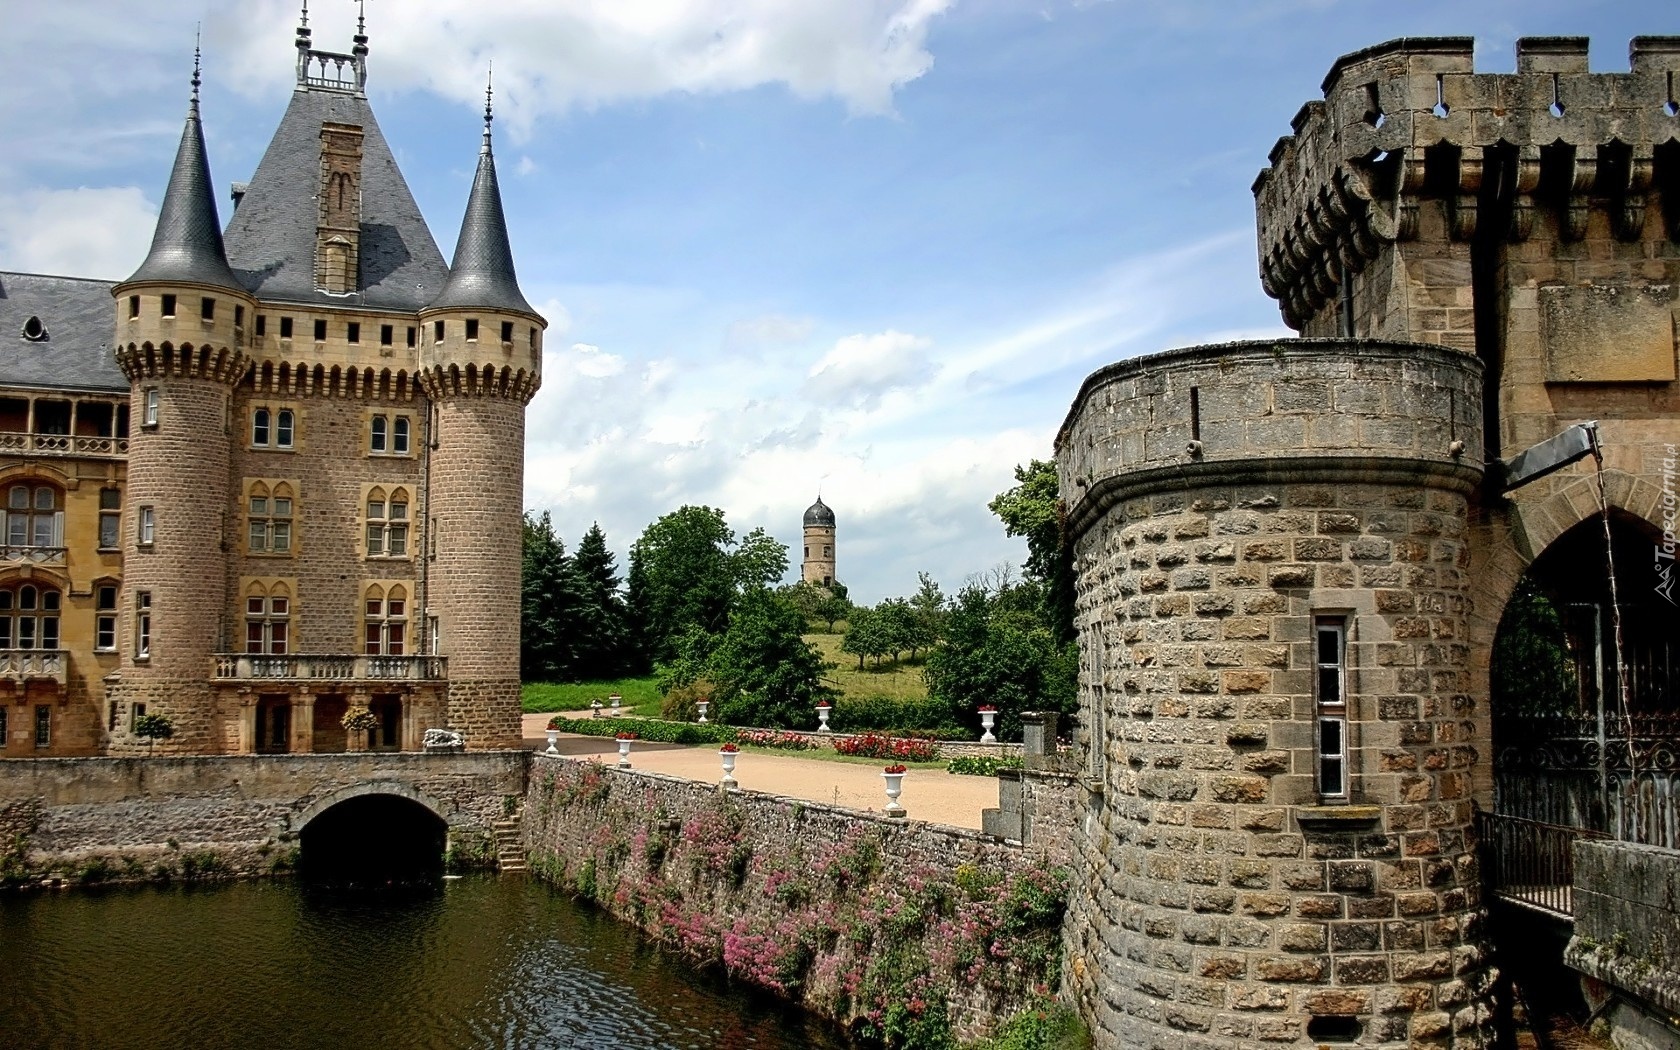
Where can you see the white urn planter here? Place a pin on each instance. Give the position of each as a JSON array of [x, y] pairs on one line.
[[702, 705], [553, 735], [624, 754], [614, 699], [822, 718], [987, 720], [728, 782], [895, 788]]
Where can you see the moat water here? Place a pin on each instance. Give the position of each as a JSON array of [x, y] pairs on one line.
[[478, 962]]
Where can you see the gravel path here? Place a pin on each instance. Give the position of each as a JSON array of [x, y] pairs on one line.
[[929, 794]]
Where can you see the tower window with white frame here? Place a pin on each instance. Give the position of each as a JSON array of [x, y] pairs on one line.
[[143, 625], [1330, 686], [149, 399]]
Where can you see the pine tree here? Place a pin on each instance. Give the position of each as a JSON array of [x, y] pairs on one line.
[[599, 642], [548, 606]]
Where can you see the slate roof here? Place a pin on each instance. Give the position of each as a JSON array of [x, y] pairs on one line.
[[271, 237], [819, 514], [482, 274], [187, 244], [79, 317]]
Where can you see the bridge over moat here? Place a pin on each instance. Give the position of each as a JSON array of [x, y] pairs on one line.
[[246, 814]]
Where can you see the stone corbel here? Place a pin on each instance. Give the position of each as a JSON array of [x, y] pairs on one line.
[[1526, 181], [1462, 206], [1577, 206], [1326, 276], [1628, 217]]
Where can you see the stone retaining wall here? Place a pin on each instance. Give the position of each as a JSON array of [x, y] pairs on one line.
[[880, 924], [1627, 939]]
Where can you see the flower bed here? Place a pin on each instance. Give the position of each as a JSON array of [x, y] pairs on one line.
[[982, 766], [778, 738], [874, 745]]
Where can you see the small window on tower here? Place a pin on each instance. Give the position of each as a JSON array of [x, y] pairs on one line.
[[207, 309], [353, 332], [507, 331], [320, 330], [238, 316], [134, 306], [437, 331], [168, 306], [285, 327], [472, 329], [385, 333], [410, 335]]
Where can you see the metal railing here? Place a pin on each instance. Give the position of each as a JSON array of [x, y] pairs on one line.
[[21, 664], [62, 444], [1529, 862], [307, 667]]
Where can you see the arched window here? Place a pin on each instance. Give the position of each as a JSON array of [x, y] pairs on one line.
[[34, 522], [260, 421], [270, 519], [387, 523], [272, 427], [385, 621], [268, 615], [29, 617]]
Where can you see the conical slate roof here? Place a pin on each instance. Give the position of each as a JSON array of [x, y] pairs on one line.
[[819, 514], [187, 244], [271, 237], [482, 277]]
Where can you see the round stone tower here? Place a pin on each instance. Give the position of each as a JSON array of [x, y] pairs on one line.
[[818, 564], [180, 340], [481, 362], [1270, 543]]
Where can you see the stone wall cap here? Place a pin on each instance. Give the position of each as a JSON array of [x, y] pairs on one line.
[[1417, 45]]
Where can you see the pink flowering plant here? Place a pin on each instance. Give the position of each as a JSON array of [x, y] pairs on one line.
[[987, 709], [875, 745], [776, 738]]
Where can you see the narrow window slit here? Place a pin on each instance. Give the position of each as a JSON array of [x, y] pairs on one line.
[[1195, 414], [1441, 108], [1556, 107]]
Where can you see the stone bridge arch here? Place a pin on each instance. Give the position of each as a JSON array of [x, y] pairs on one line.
[[313, 808]]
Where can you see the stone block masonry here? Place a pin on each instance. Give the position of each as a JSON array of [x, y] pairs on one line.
[[885, 926], [1627, 939], [1235, 891]]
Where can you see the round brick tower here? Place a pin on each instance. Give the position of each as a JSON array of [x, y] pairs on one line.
[[481, 362], [180, 338], [1270, 544], [818, 564]]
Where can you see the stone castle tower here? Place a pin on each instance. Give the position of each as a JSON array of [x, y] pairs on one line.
[[325, 474], [818, 564], [1292, 556]]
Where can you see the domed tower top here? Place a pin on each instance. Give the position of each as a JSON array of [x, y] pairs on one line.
[[819, 515], [482, 277], [187, 244]]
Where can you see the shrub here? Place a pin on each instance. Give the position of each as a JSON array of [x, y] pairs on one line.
[[679, 704], [653, 729], [982, 766], [853, 714], [872, 745]]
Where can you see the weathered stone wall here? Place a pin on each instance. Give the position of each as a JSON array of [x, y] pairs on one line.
[[1221, 902], [877, 923], [1627, 937], [245, 810]]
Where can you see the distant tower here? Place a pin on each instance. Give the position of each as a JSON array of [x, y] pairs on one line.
[[818, 566]]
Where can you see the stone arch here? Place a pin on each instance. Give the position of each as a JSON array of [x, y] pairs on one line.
[[1503, 546], [300, 817]]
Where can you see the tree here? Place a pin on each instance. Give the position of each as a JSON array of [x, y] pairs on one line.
[[682, 576], [897, 623], [1033, 509], [153, 728], [548, 605], [600, 632], [863, 636], [759, 561], [835, 605], [928, 605], [824, 603], [766, 674], [999, 650]]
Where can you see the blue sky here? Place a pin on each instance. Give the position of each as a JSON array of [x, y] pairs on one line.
[[866, 246]]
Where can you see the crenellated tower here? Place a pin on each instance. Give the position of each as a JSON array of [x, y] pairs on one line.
[[480, 364], [180, 340]]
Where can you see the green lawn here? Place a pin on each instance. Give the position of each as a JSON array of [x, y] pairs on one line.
[[640, 696], [900, 680]]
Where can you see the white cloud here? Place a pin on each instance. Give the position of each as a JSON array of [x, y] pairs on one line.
[[552, 56], [593, 362], [526, 165], [862, 369], [84, 232]]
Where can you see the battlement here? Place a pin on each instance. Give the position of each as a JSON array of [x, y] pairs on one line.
[[1412, 120]]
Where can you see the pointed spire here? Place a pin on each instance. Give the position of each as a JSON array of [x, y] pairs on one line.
[[198, 68], [489, 73], [361, 38], [187, 245], [482, 274]]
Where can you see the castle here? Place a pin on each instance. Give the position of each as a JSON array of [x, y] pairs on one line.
[[284, 494], [1294, 557]]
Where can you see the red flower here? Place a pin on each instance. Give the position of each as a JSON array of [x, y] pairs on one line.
[[895, 769]]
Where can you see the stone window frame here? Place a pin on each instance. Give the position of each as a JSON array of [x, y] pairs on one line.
[[145, 526], [43, 726], [1331, 706], [268, 609], [386, 430], [142, 626], [36, 521], [110, 518], [107, 602], [267, 517], [381, 526], [380, 625], [36, 605], [274, 418], [149, 404]]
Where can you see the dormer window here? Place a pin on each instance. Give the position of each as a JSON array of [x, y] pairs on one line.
[[34, 330]]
